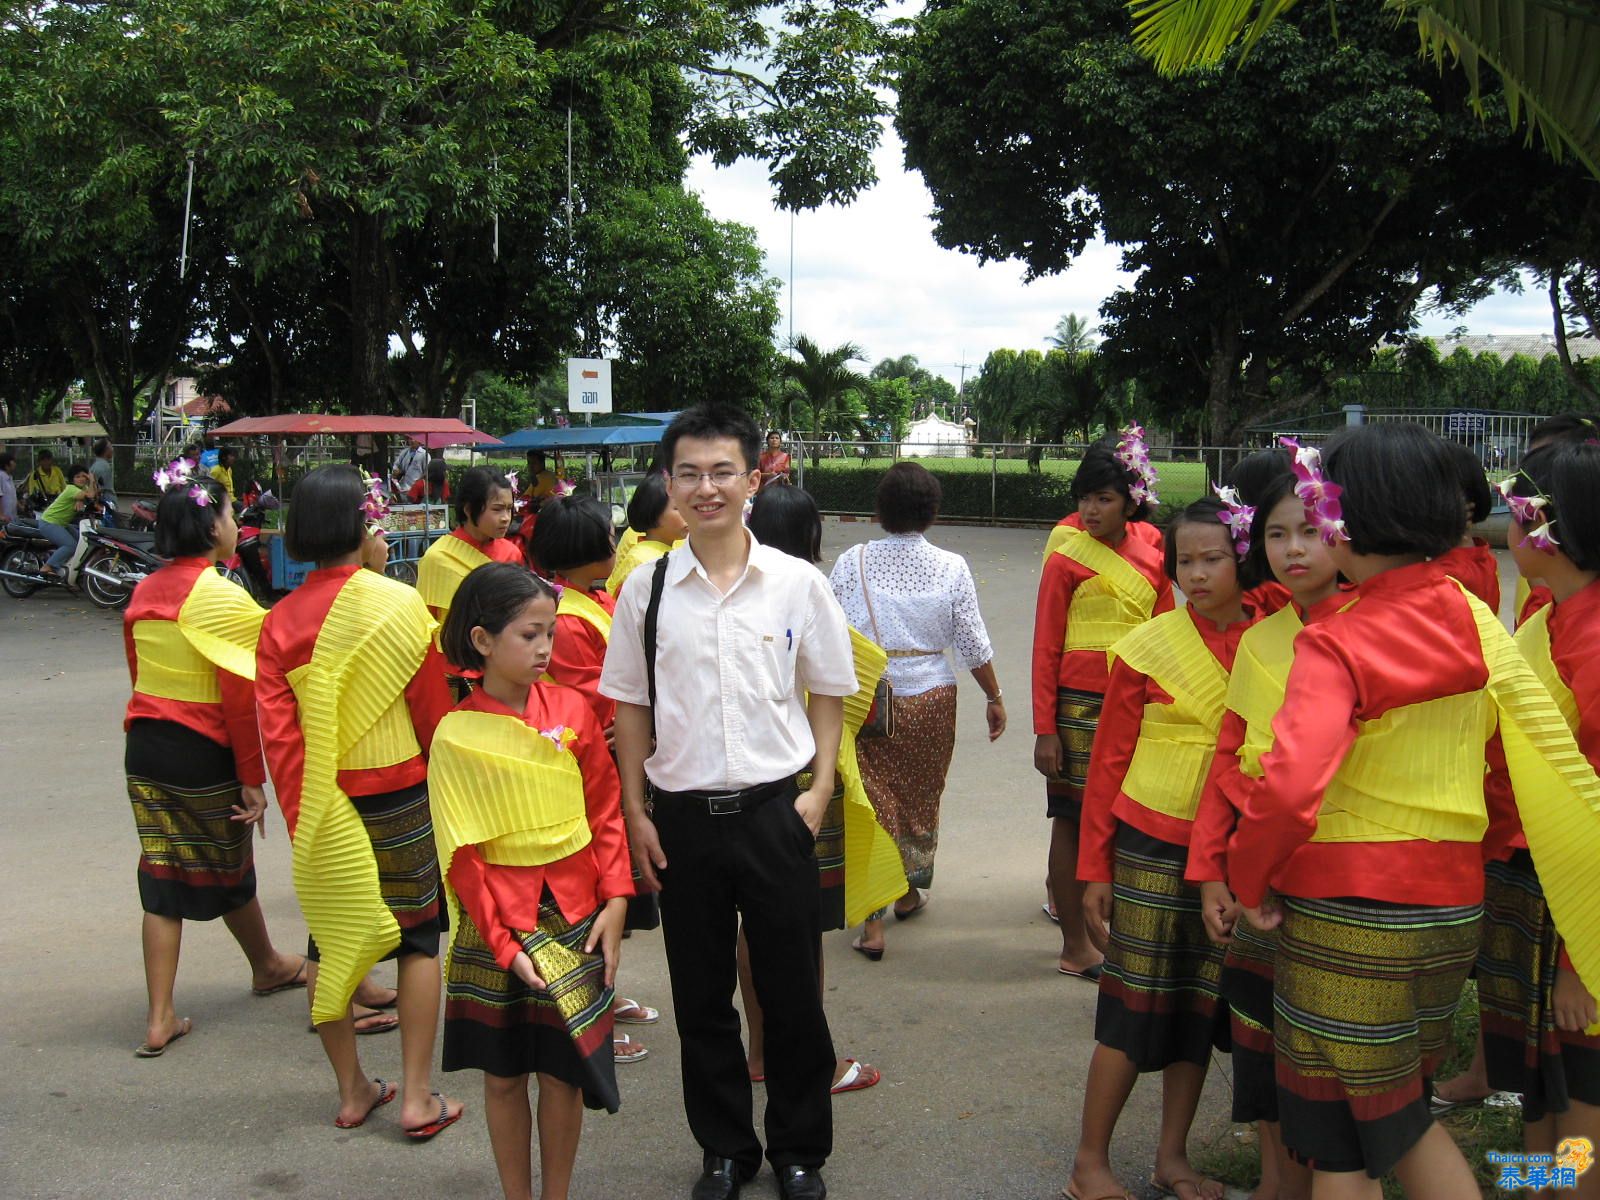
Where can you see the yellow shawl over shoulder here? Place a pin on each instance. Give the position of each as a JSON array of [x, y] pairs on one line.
[[441, 570], [873, 873], [371, 643], [513, 791], [1118, 599], [217, 627]]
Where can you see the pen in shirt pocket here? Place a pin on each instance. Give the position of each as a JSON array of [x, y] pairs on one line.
[[789, 633]]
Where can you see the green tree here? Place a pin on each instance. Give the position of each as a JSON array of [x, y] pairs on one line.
[[1278, 220], [1545, 52], [1073, 334], [825, 383], [888, 405]]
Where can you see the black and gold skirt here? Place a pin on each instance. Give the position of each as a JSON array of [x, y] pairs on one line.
[[1077, 719], [400, 826], [195, 862], [1363, 999], [1522, 1048], [493, 1022], [1159, 999], [1247, 987]]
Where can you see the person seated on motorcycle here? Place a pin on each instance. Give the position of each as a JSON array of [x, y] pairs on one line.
[[58, 524], [8, 489], [104, 472], [45, 482], [223, 471]]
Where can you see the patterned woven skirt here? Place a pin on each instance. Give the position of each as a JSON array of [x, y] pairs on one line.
[[904, 776], [830, 861], [1522, 1047], [1159, 1001], [1364, 995], [1077, 719], [400, 826], [1247, 987], [493, 1022], [195, 862]]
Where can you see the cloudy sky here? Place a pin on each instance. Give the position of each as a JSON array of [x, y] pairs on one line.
[[872, 274]]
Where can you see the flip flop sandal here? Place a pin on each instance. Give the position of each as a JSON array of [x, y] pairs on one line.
[[646, 1014], [386, 1093], [1171, 1189], [389, 1023], [148, 1051], [857, 1076], [922, 903], [298, 980], [434, 1128], [1051, 913], [625, 1050], [1092, 974], [1068, 1194]]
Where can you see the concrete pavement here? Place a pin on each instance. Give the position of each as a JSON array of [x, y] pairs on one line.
[[983, 1047]]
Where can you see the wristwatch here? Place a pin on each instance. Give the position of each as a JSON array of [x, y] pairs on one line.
[[996, 698]]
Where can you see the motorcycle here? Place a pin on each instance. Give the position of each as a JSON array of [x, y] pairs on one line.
[[25, 552], [247, 559]]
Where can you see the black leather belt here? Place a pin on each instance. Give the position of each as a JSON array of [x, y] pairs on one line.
[[722, 804]]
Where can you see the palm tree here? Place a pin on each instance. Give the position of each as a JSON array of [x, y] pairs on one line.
[[822, 378], [1073, 334], [1546, 52]]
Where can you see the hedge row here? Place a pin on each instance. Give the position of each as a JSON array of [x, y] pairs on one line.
[[846, 487]]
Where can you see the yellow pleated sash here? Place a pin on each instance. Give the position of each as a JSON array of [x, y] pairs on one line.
[[1524, 590], [575, 603], [638, 553], [873, 873], [1104, 608], [441, 570], [1259, 680], [1177, 740], [1558, 794], [218, 626], [498, 784], [391, 740], [370, 646], [1533, 639]]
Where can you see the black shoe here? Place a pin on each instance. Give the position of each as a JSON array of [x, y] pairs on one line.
[[801, 1183], [719, 1180]]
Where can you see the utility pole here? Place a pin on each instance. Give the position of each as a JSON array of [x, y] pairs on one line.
[[961, 392]]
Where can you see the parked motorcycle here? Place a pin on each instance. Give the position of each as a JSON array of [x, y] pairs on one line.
[[26, 551]]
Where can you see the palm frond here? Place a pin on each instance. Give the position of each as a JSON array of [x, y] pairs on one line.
[[1177, 35], [1546, 52]]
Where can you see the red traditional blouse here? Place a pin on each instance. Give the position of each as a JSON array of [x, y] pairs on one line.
[[503, 899], [231, 723], [1476, 569], [1410, 639], [288, 636], [578, 655], [1082, 670], [1104, 801]]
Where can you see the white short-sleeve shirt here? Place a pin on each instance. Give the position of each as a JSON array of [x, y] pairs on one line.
[[731, 670]]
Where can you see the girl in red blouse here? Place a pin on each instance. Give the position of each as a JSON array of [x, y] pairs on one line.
[[1159, 1008], [1533, 1008], [193, 754], [529, 823], [1471, 561]]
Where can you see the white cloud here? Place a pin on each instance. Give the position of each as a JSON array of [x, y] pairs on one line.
[[873, 274]]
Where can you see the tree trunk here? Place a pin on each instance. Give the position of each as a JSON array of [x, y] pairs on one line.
[[1226, 422], [369, 317]]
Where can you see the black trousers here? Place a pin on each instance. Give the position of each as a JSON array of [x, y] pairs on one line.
[[757, 864]]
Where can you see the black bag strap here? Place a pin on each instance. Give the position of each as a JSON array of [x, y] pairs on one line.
[[652, 614]]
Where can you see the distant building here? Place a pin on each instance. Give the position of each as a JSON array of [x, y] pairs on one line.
[[930, 436], [1534, 345]]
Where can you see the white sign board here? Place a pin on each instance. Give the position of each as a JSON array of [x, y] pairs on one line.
[[589, 385]]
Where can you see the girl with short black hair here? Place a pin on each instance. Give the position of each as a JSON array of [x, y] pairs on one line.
[[349, 689], [1100, 582], [1472, 561], [657, 526], [535, 860], [193, 756], [1160, 1007]]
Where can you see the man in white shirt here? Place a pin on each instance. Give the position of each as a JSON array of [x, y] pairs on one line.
[[743, 634], [409, 466]]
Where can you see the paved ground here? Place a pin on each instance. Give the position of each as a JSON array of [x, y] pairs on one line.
[[983, 1047]]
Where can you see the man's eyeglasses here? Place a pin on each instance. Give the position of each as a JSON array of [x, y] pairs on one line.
[[721, 479]]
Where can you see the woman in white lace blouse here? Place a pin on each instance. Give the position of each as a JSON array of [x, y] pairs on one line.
[[917, 602]]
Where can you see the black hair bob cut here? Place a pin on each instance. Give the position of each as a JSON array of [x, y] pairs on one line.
[[1474, 483], [649, 502], [908, 498], [1206, 511], [572, 531], [478, 486], [325, 517], [1267, 499], [1101, 471], [1254, 473], [184, 528], [787, 519], [708, 421], [1568, 476], [490, 596], [1402, 490], [1564, 427]]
